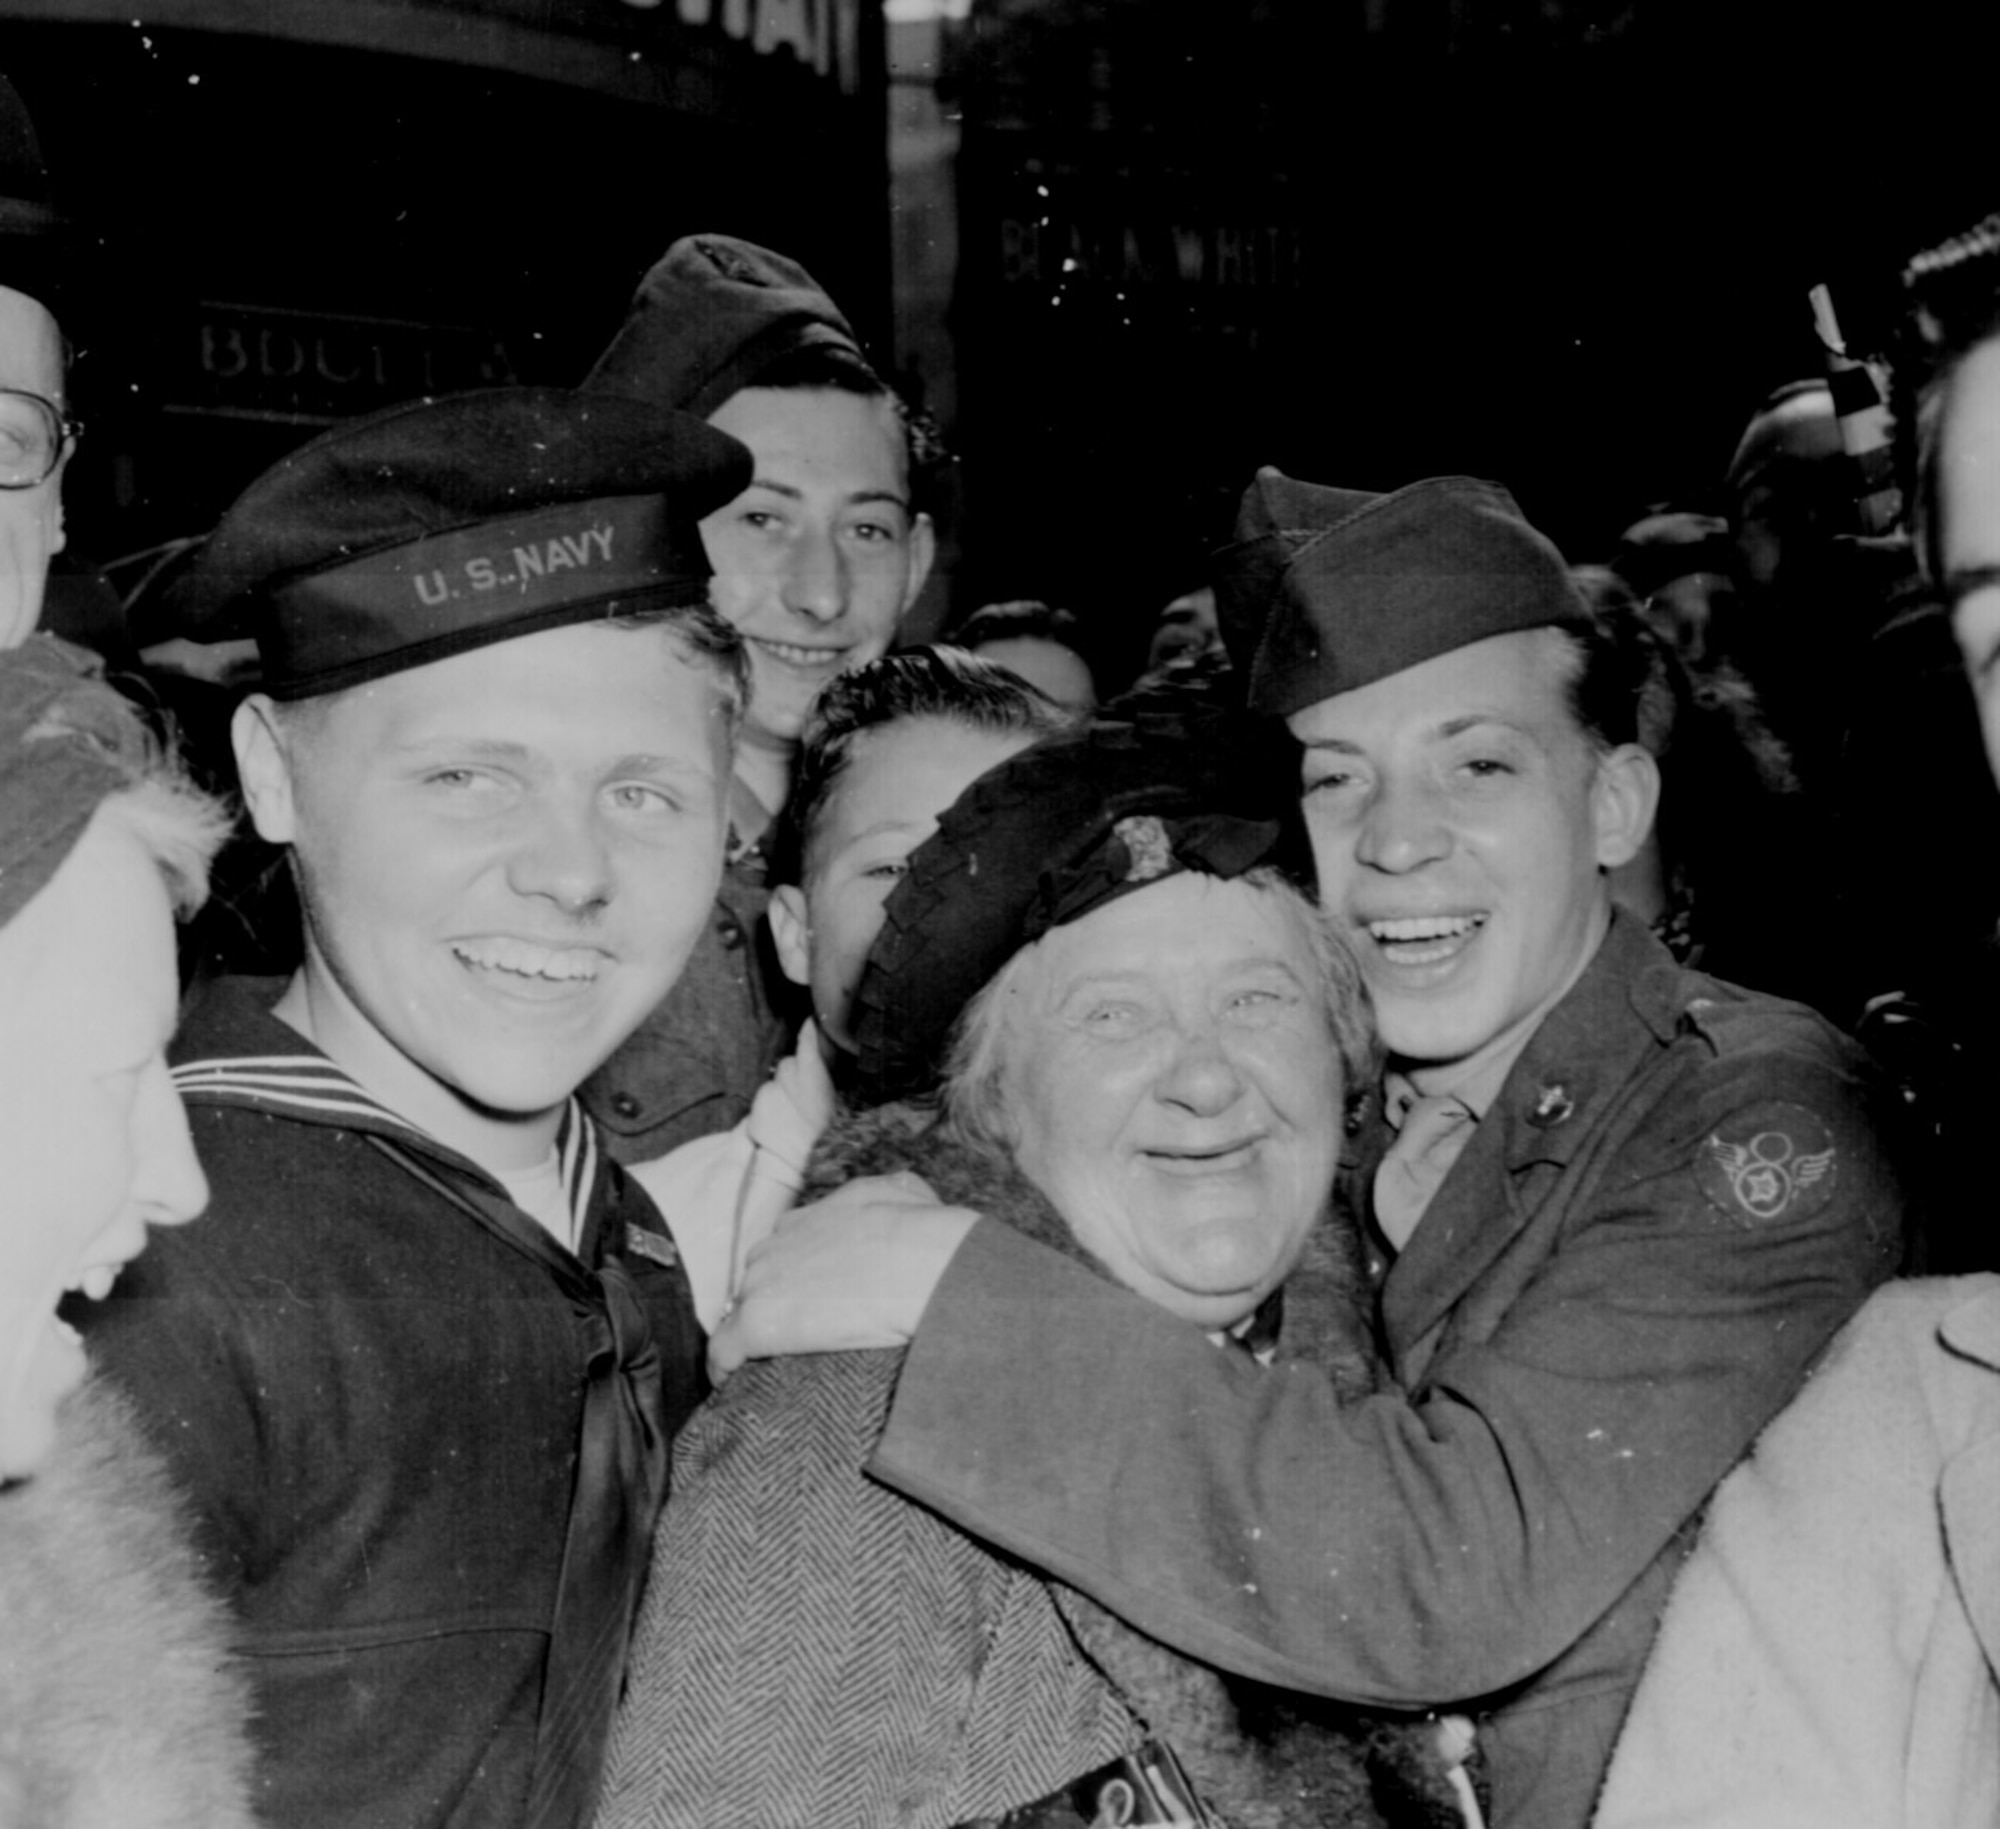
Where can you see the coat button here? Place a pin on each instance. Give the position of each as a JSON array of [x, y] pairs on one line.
[[731, 931], [624, 1104]]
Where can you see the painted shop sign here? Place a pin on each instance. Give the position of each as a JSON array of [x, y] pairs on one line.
[[249, 362], [1253, 256], [824, 35]]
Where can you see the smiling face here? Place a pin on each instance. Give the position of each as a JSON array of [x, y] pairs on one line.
[[816, 562], [1460, 823], [1173, 1084], [504, 860], [31, 520], [91, 1129], [1968, 543], [897, 782]]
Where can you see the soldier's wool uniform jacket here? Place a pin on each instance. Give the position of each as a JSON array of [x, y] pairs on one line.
[[373, 1404], [694, 1065], [1681, 1192]]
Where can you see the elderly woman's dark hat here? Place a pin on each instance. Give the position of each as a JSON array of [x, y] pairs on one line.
[[1049, 835], [1326, 590], [711, 316], [435, 528]]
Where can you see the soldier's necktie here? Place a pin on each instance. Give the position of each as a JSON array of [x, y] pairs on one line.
[[1430, 1133]]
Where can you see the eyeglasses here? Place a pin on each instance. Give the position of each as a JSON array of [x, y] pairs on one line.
[[33, 436]]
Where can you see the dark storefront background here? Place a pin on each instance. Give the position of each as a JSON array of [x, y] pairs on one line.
[[1565, 243], [1133, 247], [311, 208]]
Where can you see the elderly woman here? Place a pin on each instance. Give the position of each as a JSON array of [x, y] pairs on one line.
[[118, 1708], [1149, 1077]]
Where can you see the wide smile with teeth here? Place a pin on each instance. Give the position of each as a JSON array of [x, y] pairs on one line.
[[94, 1284], [523, 959], [797, 654], [97, 1280], [1423, 939]]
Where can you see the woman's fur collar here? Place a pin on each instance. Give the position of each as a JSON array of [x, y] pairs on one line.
[[120, 1705]]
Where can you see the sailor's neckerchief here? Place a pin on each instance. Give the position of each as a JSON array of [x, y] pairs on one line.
[[308, 1088]]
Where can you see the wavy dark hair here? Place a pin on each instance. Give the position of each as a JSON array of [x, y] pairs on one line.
[[923, 682]]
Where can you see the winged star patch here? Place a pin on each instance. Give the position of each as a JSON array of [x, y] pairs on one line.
[[1768, 1162]]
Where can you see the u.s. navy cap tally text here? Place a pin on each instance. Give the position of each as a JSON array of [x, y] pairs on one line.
[[442, 596], [1326, 590], [443, 526]]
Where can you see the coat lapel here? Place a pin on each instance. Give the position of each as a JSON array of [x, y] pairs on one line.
[[1969, 1492]]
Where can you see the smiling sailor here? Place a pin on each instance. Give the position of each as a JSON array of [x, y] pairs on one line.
[[419, 1374], [1617, 1207]]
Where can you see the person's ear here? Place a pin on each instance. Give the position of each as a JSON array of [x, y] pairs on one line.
[[1624, 797], [264, 767], [923, 555], [790, 932]]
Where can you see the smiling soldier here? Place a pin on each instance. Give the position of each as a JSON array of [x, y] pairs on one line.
[[1616, 1207], [419, 1371]]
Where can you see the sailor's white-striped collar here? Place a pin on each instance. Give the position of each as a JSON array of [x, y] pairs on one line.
[[309, 1088]]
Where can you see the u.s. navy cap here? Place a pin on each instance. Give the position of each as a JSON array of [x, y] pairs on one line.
[[444, 525], [710, 316], [1325, 590]]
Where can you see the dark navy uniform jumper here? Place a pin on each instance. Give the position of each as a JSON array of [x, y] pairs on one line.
[[370, 1373]]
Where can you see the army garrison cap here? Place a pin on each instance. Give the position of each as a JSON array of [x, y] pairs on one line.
[[1041, 840], [441, 526], [1327, 589], [711, 315]]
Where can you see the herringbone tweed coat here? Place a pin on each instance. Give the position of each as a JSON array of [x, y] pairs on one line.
[[814, 1650]]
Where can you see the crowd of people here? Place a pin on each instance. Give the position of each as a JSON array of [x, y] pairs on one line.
[[797, 1231]]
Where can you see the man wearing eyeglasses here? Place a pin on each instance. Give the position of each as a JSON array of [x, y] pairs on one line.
[[36, 434]]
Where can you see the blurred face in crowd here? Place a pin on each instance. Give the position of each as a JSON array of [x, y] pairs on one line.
[[1170, 1073], [1187, 626], [1787, 485], [816, 562], [1968, 511], [504, 859], [1684, 610], [1461, 823], [31, 520], [899, 779], [91, 1128]]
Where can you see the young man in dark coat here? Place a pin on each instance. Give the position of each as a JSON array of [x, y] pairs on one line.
[[1616, 1207], [816, 564], [418, 1373]]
